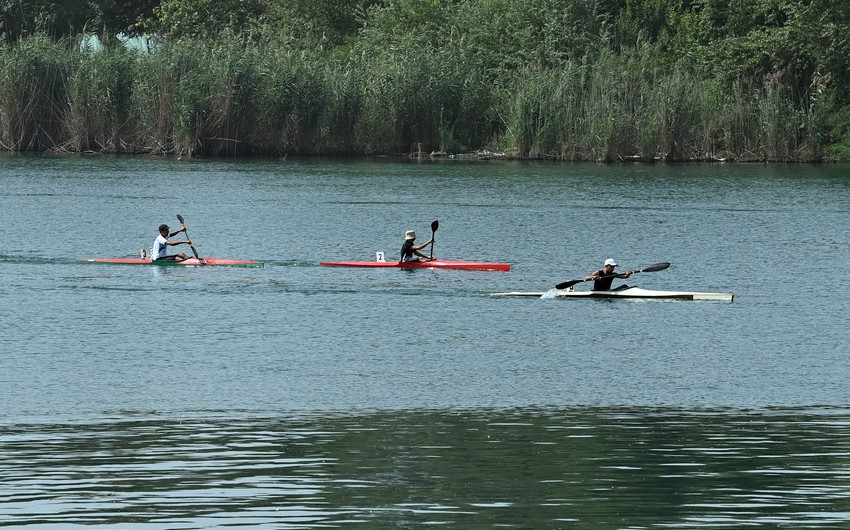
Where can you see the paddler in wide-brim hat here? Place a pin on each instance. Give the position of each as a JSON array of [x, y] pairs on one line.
[[410, 250]]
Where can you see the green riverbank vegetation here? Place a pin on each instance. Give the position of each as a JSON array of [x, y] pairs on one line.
[[571, 80]]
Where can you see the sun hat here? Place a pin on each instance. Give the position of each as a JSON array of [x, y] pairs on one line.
[[410, 234], [611, 262]]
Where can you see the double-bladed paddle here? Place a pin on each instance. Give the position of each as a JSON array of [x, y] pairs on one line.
[[195, 252], [652, 268], [434, 226]]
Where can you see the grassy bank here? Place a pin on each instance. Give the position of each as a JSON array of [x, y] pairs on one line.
[[226, 98]]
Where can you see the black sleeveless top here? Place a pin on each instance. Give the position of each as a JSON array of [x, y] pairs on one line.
[[603, 284]]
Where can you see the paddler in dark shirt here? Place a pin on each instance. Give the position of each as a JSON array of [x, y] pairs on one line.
[[602, 279], [410, 251]]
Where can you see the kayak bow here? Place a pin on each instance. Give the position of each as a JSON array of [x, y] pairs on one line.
[[631, 292], [199, 262], [432, 264]]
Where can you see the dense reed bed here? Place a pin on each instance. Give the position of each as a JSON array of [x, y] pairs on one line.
[[228, 97]]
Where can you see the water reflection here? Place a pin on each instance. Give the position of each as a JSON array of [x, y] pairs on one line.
[[522, 468]]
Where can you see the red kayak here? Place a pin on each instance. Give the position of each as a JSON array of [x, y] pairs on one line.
[[213, 262], [432, 264]]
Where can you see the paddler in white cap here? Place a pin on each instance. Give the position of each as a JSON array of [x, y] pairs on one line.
[[410, 250], [603, 278]]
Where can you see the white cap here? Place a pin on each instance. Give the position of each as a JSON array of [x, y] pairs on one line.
[[611, 262], [410, 234]]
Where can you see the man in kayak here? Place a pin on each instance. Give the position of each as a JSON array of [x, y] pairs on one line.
[[410, 251], [159, 251], [602, 279]]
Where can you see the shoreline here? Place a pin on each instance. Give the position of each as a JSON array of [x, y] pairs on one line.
[[482, 155]]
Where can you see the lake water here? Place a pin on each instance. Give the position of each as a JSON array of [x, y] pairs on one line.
[[300, 396]]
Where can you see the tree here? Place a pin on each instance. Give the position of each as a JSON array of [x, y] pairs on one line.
[[648, 22], [206, 18], [61, 18], [316, 23]]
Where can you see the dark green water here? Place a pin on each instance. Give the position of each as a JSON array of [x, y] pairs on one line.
[[299, 396], [516, 468]]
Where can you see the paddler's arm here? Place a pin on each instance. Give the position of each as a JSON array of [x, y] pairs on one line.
[[423, 245]]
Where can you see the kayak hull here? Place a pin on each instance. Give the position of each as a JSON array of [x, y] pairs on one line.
[[202, 262], [432, 264], [632, 292]]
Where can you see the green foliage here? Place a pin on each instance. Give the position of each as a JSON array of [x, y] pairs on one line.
[[99, 99], [33, 80], [564, 79], [425, 100], [839, 123], [70, 18], [648, 21], [152, 97], [507, 36], [124, 16], [212, 90], [293, 97], [311, 24], [205, 19]]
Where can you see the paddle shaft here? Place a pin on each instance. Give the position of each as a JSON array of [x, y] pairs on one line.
[[651, 268], [195, 252]]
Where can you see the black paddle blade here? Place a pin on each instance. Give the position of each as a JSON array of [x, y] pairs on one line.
[[655, 268], [434, 226], [180, 218], [565, 285]]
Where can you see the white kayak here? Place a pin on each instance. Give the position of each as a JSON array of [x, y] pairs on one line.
[[631, 292]]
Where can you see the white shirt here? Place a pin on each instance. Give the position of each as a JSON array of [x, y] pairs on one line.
[[159, 249]]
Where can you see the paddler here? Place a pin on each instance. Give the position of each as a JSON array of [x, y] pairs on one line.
[[410, 251], [603, 278], [159, 250]]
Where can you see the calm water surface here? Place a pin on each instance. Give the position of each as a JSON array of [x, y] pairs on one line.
[[299, 396]]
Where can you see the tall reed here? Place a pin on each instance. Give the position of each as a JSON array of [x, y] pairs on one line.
[[33, 84], [99, 91], [153, 86], [631, 107], [228, 97], [210, 91]]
